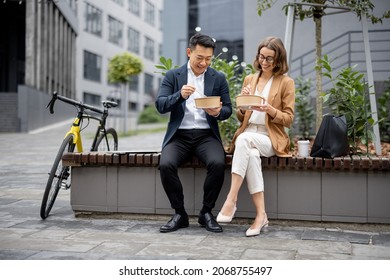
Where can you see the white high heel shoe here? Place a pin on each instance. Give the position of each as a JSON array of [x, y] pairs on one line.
[[225, 219], [256, 231]]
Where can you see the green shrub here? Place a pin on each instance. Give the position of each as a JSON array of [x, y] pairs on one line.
[[348, 97], [235, 74], [151, 115]]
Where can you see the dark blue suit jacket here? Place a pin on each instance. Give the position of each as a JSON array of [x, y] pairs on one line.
[[169, 98]]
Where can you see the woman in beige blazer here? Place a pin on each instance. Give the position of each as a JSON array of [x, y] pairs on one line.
[[262, 131]]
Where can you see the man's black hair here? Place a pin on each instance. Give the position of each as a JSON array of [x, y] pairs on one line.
[[203, 40]]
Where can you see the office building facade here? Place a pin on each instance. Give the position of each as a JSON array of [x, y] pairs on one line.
[[38, 56], [109, 28], [65, 46]]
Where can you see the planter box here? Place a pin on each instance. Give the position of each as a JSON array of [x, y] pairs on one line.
[[343, 189]]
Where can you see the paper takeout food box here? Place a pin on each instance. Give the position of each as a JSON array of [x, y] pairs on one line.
[[207, 102]]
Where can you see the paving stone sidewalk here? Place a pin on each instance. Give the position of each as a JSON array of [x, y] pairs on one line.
[[25, 160]]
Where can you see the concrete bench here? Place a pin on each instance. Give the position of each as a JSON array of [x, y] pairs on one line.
[[346, 189]]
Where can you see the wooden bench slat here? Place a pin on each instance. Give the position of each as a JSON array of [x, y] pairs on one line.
[[352, 163]]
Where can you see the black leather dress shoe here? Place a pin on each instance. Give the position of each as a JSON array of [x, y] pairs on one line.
[[207, 220], [177, 221]]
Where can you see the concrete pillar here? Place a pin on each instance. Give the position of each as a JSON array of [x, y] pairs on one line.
[[55, 45], [50, 42], [68, 59], [38, 46], [371, 87], [61, 55], [30, 43], [74, 64], [43, 49]]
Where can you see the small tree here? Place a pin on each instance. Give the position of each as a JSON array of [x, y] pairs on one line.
[[120, 69], [316, 9], [348, 97], [304, 112]]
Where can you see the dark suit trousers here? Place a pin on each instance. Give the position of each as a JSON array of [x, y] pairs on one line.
[[208, 149]]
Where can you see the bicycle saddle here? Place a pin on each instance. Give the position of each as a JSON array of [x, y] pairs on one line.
[[109, 104]]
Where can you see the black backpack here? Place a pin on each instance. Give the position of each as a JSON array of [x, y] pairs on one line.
[[332, 138]]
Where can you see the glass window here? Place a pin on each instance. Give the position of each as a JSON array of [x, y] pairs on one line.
[[149, 84], [92, 66], [133, 39], [135, 7], [115, 31], [134, 83], [93, 20], [72, 4], [149, 13], [202, 13], [133, 106], [119, 2], [160, 20], [149, 49], [91, 99]]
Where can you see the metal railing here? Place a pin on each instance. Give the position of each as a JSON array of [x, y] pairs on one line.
[[347, 50]]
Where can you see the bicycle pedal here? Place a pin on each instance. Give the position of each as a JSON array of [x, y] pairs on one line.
[[64, 186]]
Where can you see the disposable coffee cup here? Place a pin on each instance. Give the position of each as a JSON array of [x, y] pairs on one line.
[[303, 148]]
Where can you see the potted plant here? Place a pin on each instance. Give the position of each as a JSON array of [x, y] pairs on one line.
[[304, 115], [348, 97]]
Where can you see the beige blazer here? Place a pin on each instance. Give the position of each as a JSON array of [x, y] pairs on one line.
[[282, 98]]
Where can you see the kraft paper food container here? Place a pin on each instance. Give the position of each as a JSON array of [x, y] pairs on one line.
[[207, 102], [246, 101]]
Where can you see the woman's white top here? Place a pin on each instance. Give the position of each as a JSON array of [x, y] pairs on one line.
[[258, 118]]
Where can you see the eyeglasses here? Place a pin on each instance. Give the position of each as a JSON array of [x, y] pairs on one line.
[[269, 59]]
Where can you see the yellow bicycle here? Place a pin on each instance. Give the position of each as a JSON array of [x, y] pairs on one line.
[[106, 139]]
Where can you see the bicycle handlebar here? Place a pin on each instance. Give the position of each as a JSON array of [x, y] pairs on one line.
[[51, 103], [107, 104]]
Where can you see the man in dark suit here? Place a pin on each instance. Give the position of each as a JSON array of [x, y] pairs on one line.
[[192, 131]]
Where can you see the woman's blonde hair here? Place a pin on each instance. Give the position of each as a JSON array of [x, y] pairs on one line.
[[280, 59]]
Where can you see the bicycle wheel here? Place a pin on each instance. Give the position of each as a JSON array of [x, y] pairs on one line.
[[107, 144], [59, 176]]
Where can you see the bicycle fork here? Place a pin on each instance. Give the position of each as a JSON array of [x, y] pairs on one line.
[[65, 172], [75, 131]]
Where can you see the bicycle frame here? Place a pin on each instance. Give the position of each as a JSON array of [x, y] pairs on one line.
[[101, 128], [76, 129]]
